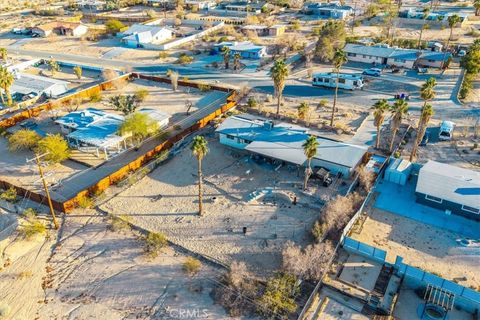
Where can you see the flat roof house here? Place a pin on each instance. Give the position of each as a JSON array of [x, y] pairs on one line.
[[61, 28], [246, 49], [284, 141], [449, 188], [328, 10], [29, 84], [386, 55], [139, 35]]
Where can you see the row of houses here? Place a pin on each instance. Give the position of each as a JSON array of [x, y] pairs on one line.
[[61, 28], [385, 55]]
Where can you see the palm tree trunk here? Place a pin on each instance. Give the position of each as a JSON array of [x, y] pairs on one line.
[[200, 188], [377, 141], [1, 96], [307, 174], [420, 37], [279, 99], [334, 101], [420, 132], [9, 96], [394, 134]]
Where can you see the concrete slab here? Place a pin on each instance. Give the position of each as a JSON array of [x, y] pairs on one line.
[[361, 272]]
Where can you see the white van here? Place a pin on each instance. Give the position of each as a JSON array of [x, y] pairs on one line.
[[446, 130]]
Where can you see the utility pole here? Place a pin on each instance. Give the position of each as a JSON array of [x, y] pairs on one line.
[[45, 186]]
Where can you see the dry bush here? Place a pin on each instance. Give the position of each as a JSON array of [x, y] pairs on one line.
[[237, 286], [366, 178], [192, 266], [110, 74], [309, 263]]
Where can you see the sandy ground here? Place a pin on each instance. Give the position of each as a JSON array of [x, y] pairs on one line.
[[426, 247], [95, 273], [66, 45], [409, 307], [166, 201]]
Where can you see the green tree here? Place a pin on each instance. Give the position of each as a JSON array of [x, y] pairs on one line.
[[199, 150], [54, 147], [54, 66], [226, 56], [23, 139], [139, 126], [279, 296], [3, 54], [426, 13], [6, 81], [399, 111], [303, 110], [310, 150], [379, 110], [114, 26], [236, 61], [126, 104], [339, 59], [425, 116], [476, 5], [332, 36], [279, 75], [78, 72]]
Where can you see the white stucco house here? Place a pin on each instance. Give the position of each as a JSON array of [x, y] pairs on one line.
[[139, 35]]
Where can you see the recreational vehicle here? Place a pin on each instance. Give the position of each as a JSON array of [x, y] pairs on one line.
[[345, 80], [446, 130]]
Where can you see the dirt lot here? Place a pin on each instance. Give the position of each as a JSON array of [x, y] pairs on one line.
[[166, 201], [88, 272], [426, 247]]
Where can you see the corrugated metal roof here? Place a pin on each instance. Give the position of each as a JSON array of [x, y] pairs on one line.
[[284, 141], [27, 83], [450, 183], [400, 165]]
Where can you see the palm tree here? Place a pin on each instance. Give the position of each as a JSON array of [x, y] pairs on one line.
[[476, 5], [425, 116], [303, 110], [3, 54], [427, 91], [426, 12], [339, 59], [399, 110], [380, 108], [226, 56], [310, 150], [6, 81], [236, 61], [199, 150], [279, 74], [452, 21]]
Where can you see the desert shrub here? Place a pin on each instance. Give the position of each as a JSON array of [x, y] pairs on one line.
[[23, 139], [113, 26], [85, 202], [9, 195], [32, 228], [252, 103], [54, 147], [155, 242], [191, 266], [310, 263], [4, 310], [163, 55], [318, 230], [366, 178], [141, 94], [204, 87], [184, 59], [238, 285], [24, 275], [30, 213], [96, 97], [279, 296], [120, 223]]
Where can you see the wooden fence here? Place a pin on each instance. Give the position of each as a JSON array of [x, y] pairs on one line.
[[113, 178]]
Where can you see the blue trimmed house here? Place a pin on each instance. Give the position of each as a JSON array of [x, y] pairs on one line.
[[449, 188]]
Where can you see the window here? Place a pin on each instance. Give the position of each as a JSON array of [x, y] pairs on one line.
[[230, 137], [341, 80], [351, 54], [470, 209], [244, 141], [434, 199], [364, 56], [400, 60]]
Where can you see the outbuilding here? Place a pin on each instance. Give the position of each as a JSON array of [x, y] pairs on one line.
[[449, 188], [398, 171]]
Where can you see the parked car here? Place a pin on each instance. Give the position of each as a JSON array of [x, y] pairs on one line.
[[425, 139], [421, 70], [462, 53], [374, 72], [402, 96], [446, 130]]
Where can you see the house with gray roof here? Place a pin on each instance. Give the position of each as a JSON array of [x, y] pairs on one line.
[[139, 35], [283, 142], [35, 86], [384, 54], [449, 188]]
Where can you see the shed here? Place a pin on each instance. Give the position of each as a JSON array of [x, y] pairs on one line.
[[398, 171]]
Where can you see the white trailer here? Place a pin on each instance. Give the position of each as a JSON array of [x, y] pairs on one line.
[[345, 80]]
